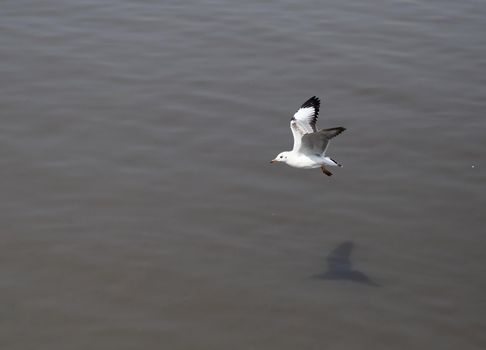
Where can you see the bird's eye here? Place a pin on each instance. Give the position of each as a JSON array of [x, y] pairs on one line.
[[281, 156]]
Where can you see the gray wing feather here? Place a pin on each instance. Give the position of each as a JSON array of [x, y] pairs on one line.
[[317, 142]]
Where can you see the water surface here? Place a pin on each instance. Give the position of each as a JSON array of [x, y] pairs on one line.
[[140, 209]]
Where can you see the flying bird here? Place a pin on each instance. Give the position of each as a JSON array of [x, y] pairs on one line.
[[310, 145]]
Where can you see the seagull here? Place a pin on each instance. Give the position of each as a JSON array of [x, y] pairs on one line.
[[309, 144]]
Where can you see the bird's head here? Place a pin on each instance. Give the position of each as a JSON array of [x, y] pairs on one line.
[[282, 157]]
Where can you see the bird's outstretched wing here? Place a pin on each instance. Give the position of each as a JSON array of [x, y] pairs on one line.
[[304, 120], [317, 142]]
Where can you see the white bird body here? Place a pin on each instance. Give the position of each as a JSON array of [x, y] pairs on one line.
[[310, 145], [308, 162]]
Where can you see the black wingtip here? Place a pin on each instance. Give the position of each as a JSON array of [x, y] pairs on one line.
[[314, 101], [333, 132]]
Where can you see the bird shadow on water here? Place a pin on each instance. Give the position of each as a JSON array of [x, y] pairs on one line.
[[339, 266]]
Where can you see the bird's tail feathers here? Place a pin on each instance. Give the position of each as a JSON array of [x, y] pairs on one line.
[[337, 164], [332, 162]]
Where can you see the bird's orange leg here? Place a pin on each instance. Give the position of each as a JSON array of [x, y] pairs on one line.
[[325, 171]]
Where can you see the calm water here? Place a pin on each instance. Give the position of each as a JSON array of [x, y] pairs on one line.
[[139, 209]]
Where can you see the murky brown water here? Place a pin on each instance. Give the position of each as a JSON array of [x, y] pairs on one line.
[[139, 210]]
